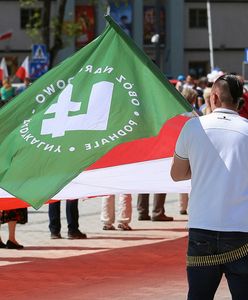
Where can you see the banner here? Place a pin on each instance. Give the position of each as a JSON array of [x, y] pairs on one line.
[[107, 94], [85, 16]]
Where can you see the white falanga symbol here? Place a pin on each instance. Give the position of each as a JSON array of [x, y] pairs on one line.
[[96, 117]]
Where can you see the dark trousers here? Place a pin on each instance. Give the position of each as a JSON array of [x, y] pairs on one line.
[[158, 205], [71, 216], [204, 281]]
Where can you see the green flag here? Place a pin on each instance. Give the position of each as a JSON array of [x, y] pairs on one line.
[[106, 94]]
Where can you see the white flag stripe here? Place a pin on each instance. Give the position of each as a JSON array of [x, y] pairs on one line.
[[4, 69], [144, 177], [25, 65]]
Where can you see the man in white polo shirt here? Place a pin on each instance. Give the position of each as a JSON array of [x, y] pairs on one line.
[[212, 150]]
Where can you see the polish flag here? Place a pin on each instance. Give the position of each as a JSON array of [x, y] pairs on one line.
[[141, 166], [3, 69], [23, 71], [6, 35]]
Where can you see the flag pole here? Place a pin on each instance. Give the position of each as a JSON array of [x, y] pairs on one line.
[[210, 36]]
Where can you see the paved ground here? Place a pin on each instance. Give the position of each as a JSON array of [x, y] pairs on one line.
[[145, 263]]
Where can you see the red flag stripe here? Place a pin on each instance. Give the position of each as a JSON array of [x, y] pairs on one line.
[[21, 73], [13, 203], [161, 146]]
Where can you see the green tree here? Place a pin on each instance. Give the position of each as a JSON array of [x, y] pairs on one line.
[[44, 28], [50, 30]]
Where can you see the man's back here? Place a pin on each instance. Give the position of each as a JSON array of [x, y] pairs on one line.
[[212, 150], [216, 146]]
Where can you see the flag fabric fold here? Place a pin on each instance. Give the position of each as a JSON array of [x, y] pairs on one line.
[[3, 70], [108, 94], [23, 71]]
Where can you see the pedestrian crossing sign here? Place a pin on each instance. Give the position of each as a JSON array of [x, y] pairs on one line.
[[39, 53]]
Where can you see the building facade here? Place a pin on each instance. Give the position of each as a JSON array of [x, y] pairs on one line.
[[174, 33]]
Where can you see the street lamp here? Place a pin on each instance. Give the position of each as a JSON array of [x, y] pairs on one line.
[[210, 36]]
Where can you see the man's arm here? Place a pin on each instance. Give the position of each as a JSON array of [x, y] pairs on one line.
[[180, 169]]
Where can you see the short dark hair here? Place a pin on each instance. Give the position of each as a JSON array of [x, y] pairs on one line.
[[234, 84]]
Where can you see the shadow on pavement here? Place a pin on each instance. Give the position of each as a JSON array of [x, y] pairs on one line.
[[163, 229]]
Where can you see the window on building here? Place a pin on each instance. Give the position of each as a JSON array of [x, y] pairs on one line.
[[150, 20], [29, 17], [198, 18]]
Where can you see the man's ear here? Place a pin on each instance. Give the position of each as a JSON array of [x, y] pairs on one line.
[[212, 101], [216, 100]]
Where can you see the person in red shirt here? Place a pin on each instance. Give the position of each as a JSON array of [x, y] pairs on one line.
[[243, 111]]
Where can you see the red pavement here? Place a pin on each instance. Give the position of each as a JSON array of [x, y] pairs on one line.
[[147, 262], [155, 271]]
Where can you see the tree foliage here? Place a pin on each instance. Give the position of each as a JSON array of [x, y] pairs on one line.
[[51, 30], [47, 29]]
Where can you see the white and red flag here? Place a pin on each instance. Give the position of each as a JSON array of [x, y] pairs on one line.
[[6, 35], [104, 121], [23, 71], [3, 70], [140, 166]]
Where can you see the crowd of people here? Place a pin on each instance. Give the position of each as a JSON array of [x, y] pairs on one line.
[[197, 93], [8, 91], [220, 98]]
